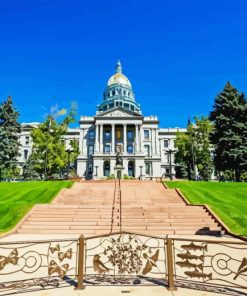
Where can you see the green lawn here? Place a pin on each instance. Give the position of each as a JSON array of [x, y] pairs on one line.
[[227, 200], [17, 198]]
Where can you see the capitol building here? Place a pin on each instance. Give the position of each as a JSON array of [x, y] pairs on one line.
[[147, 150]]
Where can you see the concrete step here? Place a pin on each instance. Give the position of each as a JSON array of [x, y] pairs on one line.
[[147, 207]]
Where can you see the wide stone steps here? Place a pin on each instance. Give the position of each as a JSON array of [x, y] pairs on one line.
[[147, 207]]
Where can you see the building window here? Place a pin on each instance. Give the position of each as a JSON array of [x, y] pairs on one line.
[[130, 135], [107, 135], [147, 150], [146, 134], [166, 143], [147, 168], [27, 139], [91, 134], [130, 149], [90, 150], [107, 148], [25, 154]]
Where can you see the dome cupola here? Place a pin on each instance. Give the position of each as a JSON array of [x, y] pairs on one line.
[[119, 77], [119, 93]]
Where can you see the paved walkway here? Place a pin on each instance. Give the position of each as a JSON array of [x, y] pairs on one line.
[[135, 291], [147, 207]]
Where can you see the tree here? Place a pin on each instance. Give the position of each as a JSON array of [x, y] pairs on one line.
[[184, 156], [204, 148], [49, 156], [30, 171], [9, 133], [229, 136], [194, 150]]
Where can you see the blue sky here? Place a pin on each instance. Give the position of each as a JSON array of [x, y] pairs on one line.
[[177, 54]]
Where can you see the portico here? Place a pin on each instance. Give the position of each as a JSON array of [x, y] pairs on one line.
[[110, 134], [115, 129]]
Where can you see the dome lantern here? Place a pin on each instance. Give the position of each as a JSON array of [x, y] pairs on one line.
[[118, 67]]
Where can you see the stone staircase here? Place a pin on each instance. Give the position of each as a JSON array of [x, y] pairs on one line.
[[147, 207]]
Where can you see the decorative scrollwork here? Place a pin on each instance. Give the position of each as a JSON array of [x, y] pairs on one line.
[[55, 268], [67, 254], [215, 263], [32, 262], [124, 258], [11, 259]]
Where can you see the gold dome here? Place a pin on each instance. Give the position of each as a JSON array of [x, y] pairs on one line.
[[119, 78]]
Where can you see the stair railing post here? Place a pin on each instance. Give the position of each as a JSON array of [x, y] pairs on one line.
[[169, 252], [81, 262]]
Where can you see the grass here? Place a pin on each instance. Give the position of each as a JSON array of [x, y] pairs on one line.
[[16, 199], [227, 200]]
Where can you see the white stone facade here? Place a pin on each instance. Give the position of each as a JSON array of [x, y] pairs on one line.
[[146, 148]]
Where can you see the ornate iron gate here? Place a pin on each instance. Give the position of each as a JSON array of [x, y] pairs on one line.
[[125, 259]]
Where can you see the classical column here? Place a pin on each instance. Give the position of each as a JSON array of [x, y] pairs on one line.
[[97, 138], [153, 142], [125, 138], [113, 138], [101, 149], [140, 138], [84, 142], [137, 139], [81, 142], [157, 142]]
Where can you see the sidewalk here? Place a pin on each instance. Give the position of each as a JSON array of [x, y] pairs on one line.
[[117, 291]]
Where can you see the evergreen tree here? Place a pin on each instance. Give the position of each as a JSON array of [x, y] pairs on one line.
[[9, 133], [230, 131]]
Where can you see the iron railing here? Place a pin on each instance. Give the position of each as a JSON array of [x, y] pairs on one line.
[[124, 258], [33, 265]]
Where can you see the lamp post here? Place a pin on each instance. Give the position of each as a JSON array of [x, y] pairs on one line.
[[140, 171], [170, 152], [69, 150]]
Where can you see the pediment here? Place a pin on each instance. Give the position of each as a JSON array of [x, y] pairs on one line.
[[28, 126], [119, 112]]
